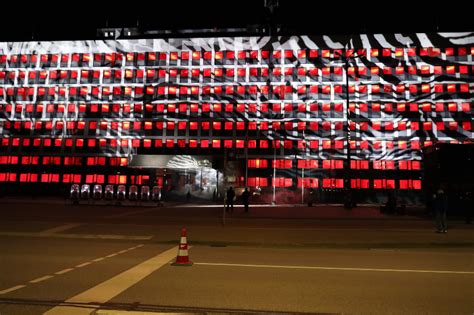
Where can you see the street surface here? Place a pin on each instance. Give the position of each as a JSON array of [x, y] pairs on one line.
[[63, 259]]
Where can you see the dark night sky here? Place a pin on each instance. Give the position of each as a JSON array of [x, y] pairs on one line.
[[80, 19]]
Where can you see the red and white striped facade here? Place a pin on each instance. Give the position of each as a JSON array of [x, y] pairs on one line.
[[80, 111]]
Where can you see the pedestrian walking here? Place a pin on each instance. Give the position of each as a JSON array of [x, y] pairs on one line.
[[311, 197], [245, 199], [440, 204], [230, 199]]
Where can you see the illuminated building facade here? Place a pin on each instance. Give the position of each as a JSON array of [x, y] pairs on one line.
[[274, 114]]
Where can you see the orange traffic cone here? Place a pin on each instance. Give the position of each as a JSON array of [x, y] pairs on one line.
[[183, 258]]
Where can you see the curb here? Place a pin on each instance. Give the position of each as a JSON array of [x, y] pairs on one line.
[[388, 245]]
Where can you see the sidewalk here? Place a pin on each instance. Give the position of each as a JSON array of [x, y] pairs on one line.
[[324, 226], [320, 211], [288, 211]]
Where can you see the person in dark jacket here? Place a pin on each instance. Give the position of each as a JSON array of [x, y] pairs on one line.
[[311, 197], [440, 204], [230, 200], [245, 199]]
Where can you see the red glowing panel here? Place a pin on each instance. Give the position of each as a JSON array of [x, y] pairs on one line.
[[217, 108], [185, 55], [363, 107], [228, 125], [399, 52], [326, 144], [239, 144], [205, 125], [193, 125], [439, 107], [452, 107], [427, 125], [206, 107], [173, 56], [326, 53], [172, 90], [453, 125], [216, 144], [216, 125], [386, 52], [312, 125], [91, 143], [333, 183], [326, 89], [379, 183], [228, 144], [170, 125], [193, 143]]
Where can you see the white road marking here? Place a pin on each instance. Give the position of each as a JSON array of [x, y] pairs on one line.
[[338, 268], [68, 270], [64, 271], [80, 236], [41, 279], [73, 310], [83, 264], [120, 312], [12, 289], [135, 247], [60, 228], [108, 289]]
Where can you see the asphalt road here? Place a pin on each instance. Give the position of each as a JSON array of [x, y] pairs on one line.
[[431, 281], [99, 259]]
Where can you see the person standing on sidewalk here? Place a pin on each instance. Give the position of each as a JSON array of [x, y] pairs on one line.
[[311, 197], [440, 204], [230, 200], [245, 199]]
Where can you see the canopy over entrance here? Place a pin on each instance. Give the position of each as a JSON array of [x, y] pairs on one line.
[[171, 161]]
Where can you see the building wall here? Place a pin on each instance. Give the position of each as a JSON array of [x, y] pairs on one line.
[[79, 111]]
